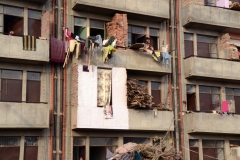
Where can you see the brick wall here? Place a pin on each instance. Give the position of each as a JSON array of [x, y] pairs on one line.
[[45, 29], [118, 27], [226, 49], [186, 2], [74, 86], [224, 41]]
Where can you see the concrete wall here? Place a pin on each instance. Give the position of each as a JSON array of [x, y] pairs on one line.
[[159, 8], [211, 123], [12, 47], [129, 59], [214, 68], [24, 115], [209, 16]]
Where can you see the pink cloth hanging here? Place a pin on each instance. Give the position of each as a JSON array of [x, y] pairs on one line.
[[225, 107]]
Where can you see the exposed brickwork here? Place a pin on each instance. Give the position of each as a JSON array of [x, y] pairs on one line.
[[45, 29], [118, 27], [74, 86], [224, 41], [186, 2]]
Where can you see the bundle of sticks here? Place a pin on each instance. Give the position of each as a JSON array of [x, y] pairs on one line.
[[137, 95]]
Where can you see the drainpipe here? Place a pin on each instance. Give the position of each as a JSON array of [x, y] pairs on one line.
[[179, 79], [64, 89]]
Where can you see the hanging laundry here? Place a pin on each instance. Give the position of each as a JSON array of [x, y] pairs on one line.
[[165, 54], [225, 107], [157, 56], [108, 111], [57, 50], [75, 45], [29, 43], [69, 35]]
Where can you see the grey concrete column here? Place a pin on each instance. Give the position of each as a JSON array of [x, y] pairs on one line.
[[24, 85], [200, 149], [120, 141], [195, 44], [88, 26], [227, 150], [197, 98], [21, 155], [87, 148], [25, 21]]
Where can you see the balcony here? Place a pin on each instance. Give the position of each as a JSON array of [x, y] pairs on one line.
[[211, 18], [123, 119], [211, 123], [24, 115], [136, 9], [217, 69], [12, 48], [131, 60]]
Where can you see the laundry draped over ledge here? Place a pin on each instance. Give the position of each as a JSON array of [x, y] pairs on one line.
[[57, 50]]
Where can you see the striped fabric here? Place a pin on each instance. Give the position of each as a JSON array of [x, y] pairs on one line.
[[29, 43]]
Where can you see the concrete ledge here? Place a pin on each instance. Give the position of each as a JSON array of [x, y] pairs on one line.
[[210, 18], [24, 115], [12, 47], [195, 67], [211, 123]]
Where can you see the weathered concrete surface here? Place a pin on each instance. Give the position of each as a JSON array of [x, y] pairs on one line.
[[211, 68], [12, 47], [145, 120], [156, 8], [206, 17], [24, 115], [129, 59], [211, 123]]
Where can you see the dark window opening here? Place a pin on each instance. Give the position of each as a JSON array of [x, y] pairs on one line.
[[213, 148], [136, 34], [31, 148], [188, 45], [79, 152], [156, 93], [80, 27], [234, 94], [194, 150], [85, 68], [209, 98], [11, 86], [13, 23], [97, 28], [33, 87], [95, 31], [206, 46], [154, 42], [9, 148], [138, 140], [191, 97], [34, 27]]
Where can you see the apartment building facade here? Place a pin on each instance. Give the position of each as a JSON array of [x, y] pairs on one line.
[[52, 110]]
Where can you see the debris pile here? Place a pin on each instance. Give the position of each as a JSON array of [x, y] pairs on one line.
[[156, 150], [137, 95], [235, 6]]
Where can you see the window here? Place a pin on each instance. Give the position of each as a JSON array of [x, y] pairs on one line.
[[136, 34], [33, 87], [79, 150], [194, 151], [156, 93], [102, 148], [11, 19], [234, 143], [138, 140], [209, 98], [191, 97], [80, 27], [210, 2], [11, 86], [234, 94], [34, 23], [31, 148], [97, 27], [188, 44], [9, 148], [213, 148], [85, 68], [154, 38], [206, 46]]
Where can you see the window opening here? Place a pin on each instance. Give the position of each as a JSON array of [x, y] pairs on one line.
[[80, 27], [209, 98], [191, 97], [136, 34], [11, 86], [33, 87], [9, 148], [213, 148], [97, 27], [194, 150], [30, 148], [206, 46], [34, 23], [79, 148], [138, 140], [156, 93], [234, 94], [154, 38], [188, 45]]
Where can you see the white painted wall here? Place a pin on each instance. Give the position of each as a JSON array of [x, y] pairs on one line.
[[91, 116]]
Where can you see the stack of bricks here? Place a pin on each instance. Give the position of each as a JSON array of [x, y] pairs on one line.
[[224, 41], [74, 86], [118, 27], [198, 2], [45, 29]]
